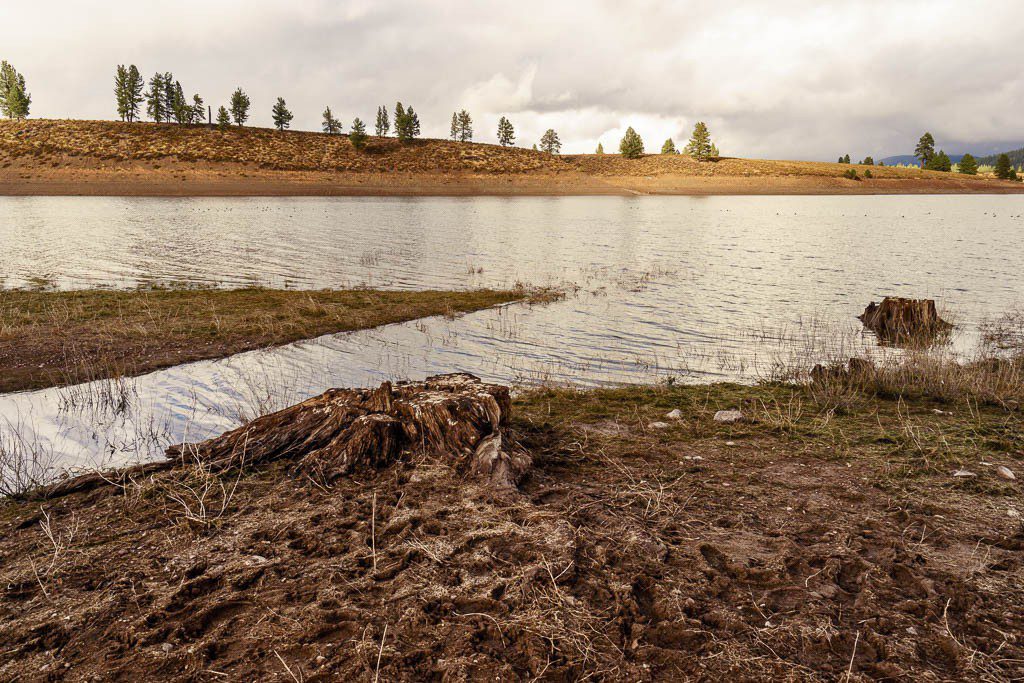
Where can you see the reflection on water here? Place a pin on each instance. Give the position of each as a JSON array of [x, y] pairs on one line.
[[696, 289]]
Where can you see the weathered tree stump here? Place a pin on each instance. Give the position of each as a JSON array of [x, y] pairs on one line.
[[343, 430], [904, 321]]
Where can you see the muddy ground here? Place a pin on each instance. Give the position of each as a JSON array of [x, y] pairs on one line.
[[804, 544]]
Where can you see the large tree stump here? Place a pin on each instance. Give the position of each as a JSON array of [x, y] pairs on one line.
[[904, 321], [342, 430]]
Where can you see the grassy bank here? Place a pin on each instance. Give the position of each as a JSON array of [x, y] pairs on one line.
[[54, 338], [805, 542]]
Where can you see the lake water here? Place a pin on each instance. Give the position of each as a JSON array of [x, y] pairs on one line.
[[680, 288]]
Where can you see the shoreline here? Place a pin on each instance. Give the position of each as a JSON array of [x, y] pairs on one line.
[[179, 182]]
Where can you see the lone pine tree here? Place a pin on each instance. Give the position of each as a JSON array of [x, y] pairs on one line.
[[281, 115], [925, 149], [700, 146], [240, 106], [357, 136], [506, 133], [631, 146]]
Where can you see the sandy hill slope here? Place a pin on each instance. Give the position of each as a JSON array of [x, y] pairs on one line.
[[108, 157]]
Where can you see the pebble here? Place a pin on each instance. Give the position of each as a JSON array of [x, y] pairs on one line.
[[728, 416], [941, 412], [257, 559], [1005, 473], [692, 457], [730, 443], [166, 647], [964, 474], [675, 415], [659, 425]]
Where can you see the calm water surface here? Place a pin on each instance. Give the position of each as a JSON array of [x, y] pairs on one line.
[[694, 289]]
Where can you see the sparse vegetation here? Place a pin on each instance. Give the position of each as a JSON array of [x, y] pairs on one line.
[[56, 338]]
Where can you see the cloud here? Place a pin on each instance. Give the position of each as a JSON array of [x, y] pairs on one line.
[[789, 79]]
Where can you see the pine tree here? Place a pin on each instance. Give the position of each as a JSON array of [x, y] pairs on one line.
[[15, 99], [600, 149], [223, 118], [840, 159], [240, 106], [332, 126], [357, 136], [169, 95], [846, 159], [383, 124], [155, 99], [453, 132], [535, 147], [967, 165], [198, 109], [180, 107], [506, 133], [282, 117], [700, 146], [925, 149], [465, 126], [121, 91], [868, 161], [550, 143], [669, 147], [940, 162], [133, 92], [1004, 169], [407, 123], [631, 146]]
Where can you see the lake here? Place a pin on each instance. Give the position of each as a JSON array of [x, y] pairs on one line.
[[661, 289]]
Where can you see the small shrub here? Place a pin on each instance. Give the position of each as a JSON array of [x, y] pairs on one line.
[[851, 174], [867, 174]]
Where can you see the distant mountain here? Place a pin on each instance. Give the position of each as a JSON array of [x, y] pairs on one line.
[[1016, 158], [911, 160], [985, 152]]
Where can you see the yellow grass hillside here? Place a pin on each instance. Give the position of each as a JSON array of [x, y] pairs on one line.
[[117, 158]]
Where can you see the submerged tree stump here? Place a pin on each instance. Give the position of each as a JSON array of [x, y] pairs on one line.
[[344, 430], [904, 321]]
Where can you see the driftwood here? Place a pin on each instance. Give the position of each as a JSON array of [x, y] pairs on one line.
[[344, 430], [904, 321]]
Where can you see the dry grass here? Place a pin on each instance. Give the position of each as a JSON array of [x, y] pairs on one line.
[[56, 143], [56, 338]]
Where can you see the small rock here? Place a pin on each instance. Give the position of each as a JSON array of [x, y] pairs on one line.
[[941, 412], [728, 416], [658, 425], [964, 474], [692, 457], [257, 559], [730, 443], [166, 647], [1012, 513], [1005, 473], [675, 415]]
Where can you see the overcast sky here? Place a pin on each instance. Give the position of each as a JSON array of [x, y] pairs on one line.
[[785, 79]]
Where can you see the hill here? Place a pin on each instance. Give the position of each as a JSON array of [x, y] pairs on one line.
[[116, 158], [1016, 158]]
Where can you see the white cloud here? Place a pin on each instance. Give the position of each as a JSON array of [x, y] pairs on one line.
[[792, 78]]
